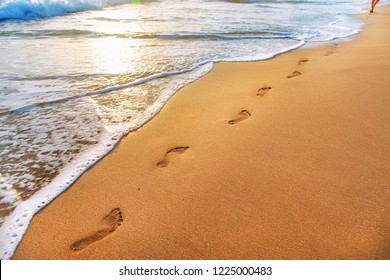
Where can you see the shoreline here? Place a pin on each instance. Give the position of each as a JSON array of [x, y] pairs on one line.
[[207, 203]]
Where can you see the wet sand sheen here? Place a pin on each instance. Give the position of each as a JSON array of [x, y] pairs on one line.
[[300, 173]]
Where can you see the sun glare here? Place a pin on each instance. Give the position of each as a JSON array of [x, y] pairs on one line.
[[117, 53]]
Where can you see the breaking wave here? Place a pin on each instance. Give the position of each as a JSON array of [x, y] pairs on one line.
[[33, 9]]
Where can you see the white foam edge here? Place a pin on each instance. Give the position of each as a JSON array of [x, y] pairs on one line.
[[335, 37], [16, 224], [110, 89], [262, 56]]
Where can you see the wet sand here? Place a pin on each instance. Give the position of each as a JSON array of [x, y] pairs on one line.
[[287, 158]]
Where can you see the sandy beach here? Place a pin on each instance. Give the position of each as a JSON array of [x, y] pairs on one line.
[[286, 158]]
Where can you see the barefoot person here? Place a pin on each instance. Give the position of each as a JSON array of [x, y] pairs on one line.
[[373, 4]]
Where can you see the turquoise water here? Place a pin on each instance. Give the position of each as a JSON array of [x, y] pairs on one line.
[[77, 75]]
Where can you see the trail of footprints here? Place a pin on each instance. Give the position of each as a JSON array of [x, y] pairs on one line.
[[114, 219], [298, 73], [241, 116]]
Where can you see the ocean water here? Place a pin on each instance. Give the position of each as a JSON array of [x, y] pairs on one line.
[[77, 75]]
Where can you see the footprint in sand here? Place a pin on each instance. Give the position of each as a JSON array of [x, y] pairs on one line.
[[172, 152], [303, 61], [243, 115], [112, 221], [294, 74], [328, 53], [263, 91]]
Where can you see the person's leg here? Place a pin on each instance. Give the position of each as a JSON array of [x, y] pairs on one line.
[[373, 4]]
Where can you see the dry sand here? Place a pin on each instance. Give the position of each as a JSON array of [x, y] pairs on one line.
[[245, 163]]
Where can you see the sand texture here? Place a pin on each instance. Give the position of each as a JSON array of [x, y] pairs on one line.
[[287, 158]]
